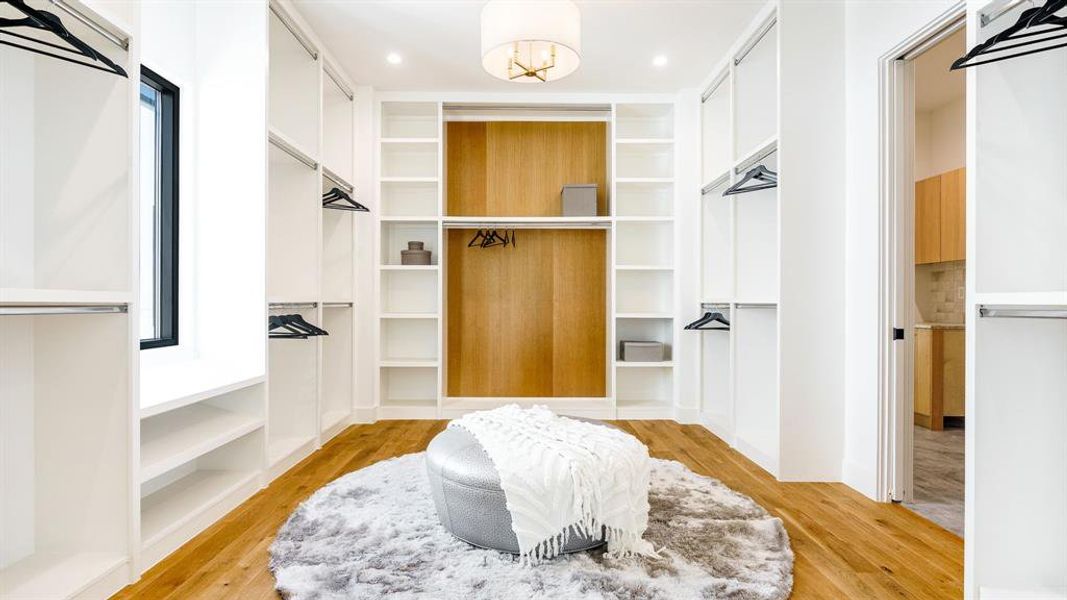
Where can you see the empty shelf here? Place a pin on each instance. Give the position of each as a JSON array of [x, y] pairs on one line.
[[57, 575], [174, 438], [177, 503]]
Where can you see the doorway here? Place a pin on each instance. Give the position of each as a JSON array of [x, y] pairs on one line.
[[924, 267]]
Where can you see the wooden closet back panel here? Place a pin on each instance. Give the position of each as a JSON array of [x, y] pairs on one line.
[[517, 168], [528, 320]]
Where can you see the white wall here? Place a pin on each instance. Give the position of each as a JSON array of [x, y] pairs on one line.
[[872, 29], [941, 139]]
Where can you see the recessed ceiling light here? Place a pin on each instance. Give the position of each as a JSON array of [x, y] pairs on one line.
[[659, 61], [393, 58]]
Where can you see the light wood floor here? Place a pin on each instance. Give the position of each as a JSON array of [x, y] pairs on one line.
[[846, 546]]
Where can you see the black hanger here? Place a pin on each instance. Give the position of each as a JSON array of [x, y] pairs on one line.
[[338, 199], [39, 19], [292, 327], [767, 178], [710, 317], [487, 238], [1002, 42]]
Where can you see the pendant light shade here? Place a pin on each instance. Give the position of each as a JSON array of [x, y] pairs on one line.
[[531, 41]]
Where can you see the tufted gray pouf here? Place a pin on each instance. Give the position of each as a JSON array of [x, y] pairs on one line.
[[470, 502]]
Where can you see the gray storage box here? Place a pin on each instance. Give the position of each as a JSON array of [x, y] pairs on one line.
[[579, 200], [642, 351]]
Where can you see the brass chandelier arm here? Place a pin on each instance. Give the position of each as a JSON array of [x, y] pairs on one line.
[[539, 72]]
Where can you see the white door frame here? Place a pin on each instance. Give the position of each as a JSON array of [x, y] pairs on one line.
[[896, 298]]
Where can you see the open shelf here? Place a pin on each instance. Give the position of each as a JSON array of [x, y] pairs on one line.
[[338, 251], [718, 244], [644, 121], [643, 199], [409, 387], [716, 403], [293, 413], [337, 128], [64, 190], [1020, 373], [295, 215], [756, 392], [410, 120], [66, 426], [405, 340], [406, 293], [756, 95], [176, 437], [715, 132], [337, 364], [644, 291], [409, 199], [650, 243], [650, 329], [178, 504], [757, 240], [294, 87], [644, 388], [396, 235], [410, 159], [644, 160]]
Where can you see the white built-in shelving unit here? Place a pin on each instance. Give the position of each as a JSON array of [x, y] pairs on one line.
[[410, 298], [409, 330], [1016, 513], [68, 318], [740, 246]]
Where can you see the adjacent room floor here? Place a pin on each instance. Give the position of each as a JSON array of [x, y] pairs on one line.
[[938, 474], [846, 546]]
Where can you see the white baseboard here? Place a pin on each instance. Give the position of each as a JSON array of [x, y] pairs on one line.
[[687, 416], [860, 478], [364, 415]]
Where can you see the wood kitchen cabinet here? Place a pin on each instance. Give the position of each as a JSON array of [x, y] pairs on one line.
[[939, 375], [940, 218]]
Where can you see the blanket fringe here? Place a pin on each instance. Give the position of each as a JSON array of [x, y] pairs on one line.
[[621, 544]]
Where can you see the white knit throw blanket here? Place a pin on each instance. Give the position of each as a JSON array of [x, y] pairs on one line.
[[563, 477]]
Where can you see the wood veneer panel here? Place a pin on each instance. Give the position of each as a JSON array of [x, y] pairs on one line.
[[528, 320], [517, 168], [953, 215], [928, 221]]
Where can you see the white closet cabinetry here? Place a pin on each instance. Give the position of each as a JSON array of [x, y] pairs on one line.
[[68, 325], [1017, 324]]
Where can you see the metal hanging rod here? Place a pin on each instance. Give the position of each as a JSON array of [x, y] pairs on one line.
[[336, 179], [595, 108], [337, 305], [715, 305], [106, 32], [717, 182], [279, 305], [757, 305], [1019, 312], [756, 158], [292, 150], [527, 225], [294, 29], [63, 309], [985, 18], [762, 33], [336, 78], [714, 85]]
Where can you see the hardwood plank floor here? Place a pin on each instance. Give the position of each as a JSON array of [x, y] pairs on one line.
[[846, 546]]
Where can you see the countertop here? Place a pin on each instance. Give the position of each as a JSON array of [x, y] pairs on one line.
[[939, 325]]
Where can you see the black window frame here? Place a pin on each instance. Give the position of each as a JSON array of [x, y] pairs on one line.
[[167, 269]]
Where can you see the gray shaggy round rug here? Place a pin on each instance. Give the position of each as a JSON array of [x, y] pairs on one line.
[[374, 533]]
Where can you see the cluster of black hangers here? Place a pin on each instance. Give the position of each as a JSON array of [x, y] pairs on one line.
[[292, 327], [338, 199], [487, 238], [705, 323], [763, 177], [46, 21], [1032, 28]]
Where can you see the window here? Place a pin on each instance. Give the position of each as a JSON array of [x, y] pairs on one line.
[[159, 211]]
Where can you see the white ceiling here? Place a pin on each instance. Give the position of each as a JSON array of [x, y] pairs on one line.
[[440, 46], [935, 85]]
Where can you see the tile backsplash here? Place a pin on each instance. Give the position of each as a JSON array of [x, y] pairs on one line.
[[939, 289]]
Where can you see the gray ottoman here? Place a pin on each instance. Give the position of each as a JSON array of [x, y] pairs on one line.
[[467, 493]]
